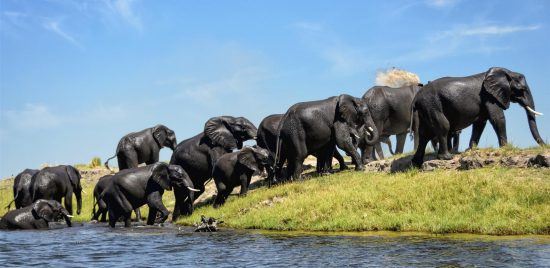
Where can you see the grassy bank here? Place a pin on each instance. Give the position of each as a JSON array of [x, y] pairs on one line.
[[495, 200], [491, 200]]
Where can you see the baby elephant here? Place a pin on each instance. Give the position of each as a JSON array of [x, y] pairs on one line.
[[35, 216], [236, 168], [135, 187]]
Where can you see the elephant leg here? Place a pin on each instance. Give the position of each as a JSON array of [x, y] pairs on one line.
[[69, 202], [456, 142], [152, 216], [368, 156], [477, 130], [244, 184], [424, 136], [441, 129], [138, 214], [400, 143], [498, 121], [379, 150], [113, 217], [340, 159], [154, 201], [127, 159], [127, 217], [344, 142]]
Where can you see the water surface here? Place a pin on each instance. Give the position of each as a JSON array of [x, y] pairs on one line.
[[100, 246]]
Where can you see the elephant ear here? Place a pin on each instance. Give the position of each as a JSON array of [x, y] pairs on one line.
[[43, 210], [246, 158], [160, 133], [74, 176], [496, 83], [216, 130], [161, 176], [346, 110]]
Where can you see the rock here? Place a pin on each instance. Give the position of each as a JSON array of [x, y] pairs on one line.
[[539, 160], [470, 162], [514, 161]]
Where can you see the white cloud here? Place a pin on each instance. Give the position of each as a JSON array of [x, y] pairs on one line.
[[441, 3], [125, 9], [53, 26], [33, 116], [497, 30]]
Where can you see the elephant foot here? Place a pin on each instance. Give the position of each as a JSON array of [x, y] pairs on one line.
[[343, 167], [446, 156], [359, 168], [417, 162]]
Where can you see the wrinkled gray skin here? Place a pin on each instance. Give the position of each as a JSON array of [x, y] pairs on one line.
[[236, 169], [198, 154], [315, 127], [55, 183], [451, 104], [143, 146], [267, 139], [135, 187], [391, 112], [22, 195], [35, 216]]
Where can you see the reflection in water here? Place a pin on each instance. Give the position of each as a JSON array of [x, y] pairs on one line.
[[167, 246]]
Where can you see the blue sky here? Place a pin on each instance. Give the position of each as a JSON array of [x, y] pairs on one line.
[[75, 76]]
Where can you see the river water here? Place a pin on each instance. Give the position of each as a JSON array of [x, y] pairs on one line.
[[100, 246]]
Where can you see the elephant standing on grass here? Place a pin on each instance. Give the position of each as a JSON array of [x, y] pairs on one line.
[[315, 127], [198, 154], [55, 183], [391, 112], [236, 168], [450, 104], [22, 195], [35, 216], [143, 147], [135, 187]]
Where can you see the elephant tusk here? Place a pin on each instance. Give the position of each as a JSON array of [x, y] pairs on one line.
[[370, 129], [69, 215], [186, 199], [533, 111], [193, 189], [84, 191]]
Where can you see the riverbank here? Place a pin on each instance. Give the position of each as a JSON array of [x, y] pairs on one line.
[[488, 191]]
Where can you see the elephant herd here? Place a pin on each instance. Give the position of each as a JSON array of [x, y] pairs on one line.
[[435, 112]]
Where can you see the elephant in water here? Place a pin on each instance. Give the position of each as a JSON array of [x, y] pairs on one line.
[[450, 104], [56, 183], [143, 146], [35, 216], [135, 187], [197, 155], [315, 127]]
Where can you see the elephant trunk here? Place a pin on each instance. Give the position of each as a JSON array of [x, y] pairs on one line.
[[371, 132], [533, 127], [66, 216], [78, 195]]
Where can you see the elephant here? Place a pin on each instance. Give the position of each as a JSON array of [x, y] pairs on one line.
[[197, 155], [22, 188], [143, 147], [102, 184], [236, 168], [134, 187], [58, 182], [267, 139], [391, 112], [315, 127], [35, 216], [453, 142], [450, 104]]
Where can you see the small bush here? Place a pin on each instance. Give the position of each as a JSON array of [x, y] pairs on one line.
[[96, 162]]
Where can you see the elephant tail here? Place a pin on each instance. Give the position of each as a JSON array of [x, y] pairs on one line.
[[411, 124], [9, 205], [107, 162], [278, 143]]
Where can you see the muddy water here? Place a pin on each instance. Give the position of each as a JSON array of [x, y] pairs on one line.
[[98, 245]]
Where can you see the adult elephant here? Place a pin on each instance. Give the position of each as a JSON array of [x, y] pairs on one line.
[[143, 146], [450, 104], [135, 187], [267, 139], [22, 195], [391, 112], [35, 216], [315, 127], [55, 183], [197, 155]]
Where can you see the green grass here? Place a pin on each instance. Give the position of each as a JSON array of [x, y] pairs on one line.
[[495, 201]]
